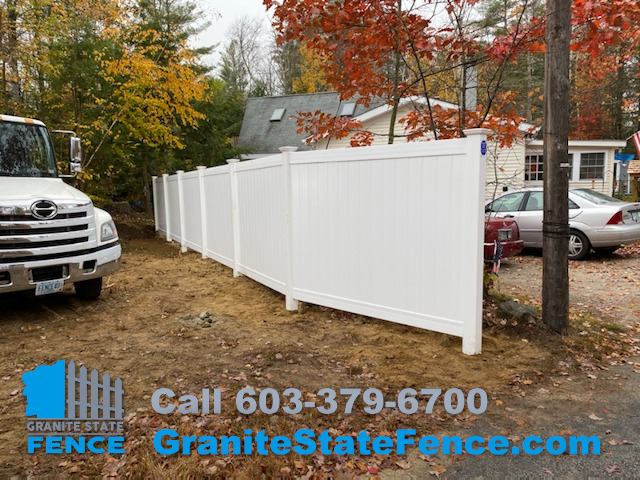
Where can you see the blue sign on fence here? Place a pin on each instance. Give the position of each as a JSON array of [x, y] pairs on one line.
[[483, 147]]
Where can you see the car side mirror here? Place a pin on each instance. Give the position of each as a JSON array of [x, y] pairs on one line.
[[75, 155]]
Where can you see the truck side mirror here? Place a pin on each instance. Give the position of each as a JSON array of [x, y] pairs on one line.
[[75, 155]]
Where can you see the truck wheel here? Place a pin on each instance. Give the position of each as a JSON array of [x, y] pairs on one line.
[[579, 245], [89, 289]]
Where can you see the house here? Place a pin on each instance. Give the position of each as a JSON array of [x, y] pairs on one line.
[[269, 124]]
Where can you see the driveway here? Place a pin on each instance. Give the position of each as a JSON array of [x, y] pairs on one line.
[[608, 287]]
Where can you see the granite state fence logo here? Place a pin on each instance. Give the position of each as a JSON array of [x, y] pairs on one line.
[[70, 411]]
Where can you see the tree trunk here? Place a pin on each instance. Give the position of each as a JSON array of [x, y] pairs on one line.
[[396, 83], [555, 278], [146, 192]]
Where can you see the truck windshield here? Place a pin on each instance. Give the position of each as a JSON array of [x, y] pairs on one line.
[[26, 151]]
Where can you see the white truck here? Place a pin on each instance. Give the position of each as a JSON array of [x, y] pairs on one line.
[[50, 233]]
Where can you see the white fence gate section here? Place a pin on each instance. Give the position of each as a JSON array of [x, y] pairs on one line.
[[392, 232]]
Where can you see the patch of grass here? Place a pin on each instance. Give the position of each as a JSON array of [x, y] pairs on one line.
[[614, 327], [499, 298], [600, 339]]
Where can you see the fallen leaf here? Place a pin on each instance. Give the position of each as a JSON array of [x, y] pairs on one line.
[[612, 469], [437, 470], [593, 416]]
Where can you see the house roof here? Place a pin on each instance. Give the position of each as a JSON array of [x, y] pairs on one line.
[[268, 124], [265, 135]]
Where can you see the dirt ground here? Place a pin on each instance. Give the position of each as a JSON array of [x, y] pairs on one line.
[[136, 331]]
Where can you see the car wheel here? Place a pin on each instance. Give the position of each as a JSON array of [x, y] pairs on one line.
[[607, 250], [579, 245], [89, 289]]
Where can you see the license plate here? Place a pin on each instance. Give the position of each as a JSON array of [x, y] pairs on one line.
[[52, 286], [635, 215]]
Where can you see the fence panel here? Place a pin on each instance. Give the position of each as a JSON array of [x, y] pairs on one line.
[[193, 223], [159, 205], [386, 221], [217, 189], [394, 232], [261, 214], [174, 208]]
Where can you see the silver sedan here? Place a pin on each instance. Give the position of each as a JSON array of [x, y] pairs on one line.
[[596, 220]]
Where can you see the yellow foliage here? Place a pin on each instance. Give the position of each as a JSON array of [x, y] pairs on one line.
[[311, 78]]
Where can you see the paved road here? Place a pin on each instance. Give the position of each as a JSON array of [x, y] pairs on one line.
[[619, 411], [615, 401]]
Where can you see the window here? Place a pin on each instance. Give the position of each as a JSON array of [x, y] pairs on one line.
[[533, 167], [26, 151], [534, 202], [347, 109], [277, 115], [506, 203], [595, 197], [592, 166]]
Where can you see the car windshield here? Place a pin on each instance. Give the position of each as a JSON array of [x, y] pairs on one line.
[[26, 151], [595, 197]]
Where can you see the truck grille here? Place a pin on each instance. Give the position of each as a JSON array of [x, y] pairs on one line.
[[31, 218], [23, 236], [20, 231], [55, 272], [49, 243]]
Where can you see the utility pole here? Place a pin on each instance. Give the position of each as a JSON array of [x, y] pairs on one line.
[[555, 243]]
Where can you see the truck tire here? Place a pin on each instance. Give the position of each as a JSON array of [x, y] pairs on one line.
[[89, 289]]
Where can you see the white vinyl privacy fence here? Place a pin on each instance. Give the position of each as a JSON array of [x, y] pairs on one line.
[[392, 232]]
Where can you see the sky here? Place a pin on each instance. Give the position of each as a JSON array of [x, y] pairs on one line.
[[222, 14]]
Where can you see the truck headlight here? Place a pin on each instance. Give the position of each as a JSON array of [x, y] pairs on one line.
[[108, 231]]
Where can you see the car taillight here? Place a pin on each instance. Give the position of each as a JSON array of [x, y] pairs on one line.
[[616, 219]]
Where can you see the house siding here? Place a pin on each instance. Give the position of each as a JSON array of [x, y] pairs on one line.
[[604, 185], [505, 168], [379, 126]]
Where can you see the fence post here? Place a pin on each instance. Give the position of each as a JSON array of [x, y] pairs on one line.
[[203, 210], [183, 242], [290, 302], [235, 214], [155, 202], [474, 188], [167, 215]]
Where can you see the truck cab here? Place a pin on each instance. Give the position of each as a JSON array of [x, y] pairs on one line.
[[50, 233]]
